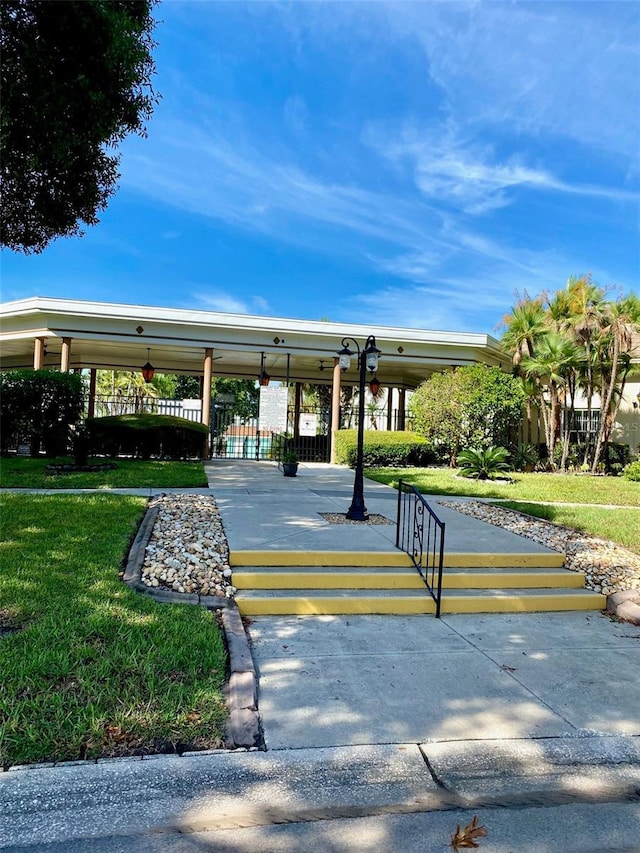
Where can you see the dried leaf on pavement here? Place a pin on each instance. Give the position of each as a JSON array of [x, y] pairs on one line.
[[466, 837]]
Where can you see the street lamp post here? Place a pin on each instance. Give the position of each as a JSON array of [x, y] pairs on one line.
[[367, 360]]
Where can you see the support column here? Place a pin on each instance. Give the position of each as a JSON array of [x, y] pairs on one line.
[[65, 355], [205, 416], [38, 354], [335, 408], [402, 397], [91, 408], [297, 404], [389, 409]]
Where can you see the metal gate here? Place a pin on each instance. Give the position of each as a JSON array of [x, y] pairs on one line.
[[238, 436]]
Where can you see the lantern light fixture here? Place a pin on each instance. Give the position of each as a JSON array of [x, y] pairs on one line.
[[345, 357], [264, 377], [148, 369]]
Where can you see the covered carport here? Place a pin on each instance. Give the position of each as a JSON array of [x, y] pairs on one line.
[[65, 334]]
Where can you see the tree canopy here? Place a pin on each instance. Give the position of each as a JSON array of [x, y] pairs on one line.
[[471, 407], [574, 341], [76, 79]]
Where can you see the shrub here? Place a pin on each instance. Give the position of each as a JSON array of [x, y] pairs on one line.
[[632, 471], [143, 436], [483, 464], [615, 457], [383, 449], [473, 406], [524, 457], [39, 406]]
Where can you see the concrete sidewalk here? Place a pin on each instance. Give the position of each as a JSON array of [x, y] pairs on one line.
[[262, 509], [500, 680]]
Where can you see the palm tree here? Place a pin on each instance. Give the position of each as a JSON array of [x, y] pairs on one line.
[[523, 327], [531, 398], [550, 367], [124, 389], [587, 308], [623, 321]]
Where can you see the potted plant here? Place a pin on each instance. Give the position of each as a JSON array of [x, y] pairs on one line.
[[290, 461]]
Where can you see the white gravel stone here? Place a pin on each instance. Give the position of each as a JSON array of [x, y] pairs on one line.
[[607, 566], [188, 549]]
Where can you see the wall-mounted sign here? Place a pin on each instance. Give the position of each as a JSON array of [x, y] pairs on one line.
[[308, 424], [273, 409]]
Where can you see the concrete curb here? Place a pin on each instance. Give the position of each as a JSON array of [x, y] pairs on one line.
[[243, 728], [625, 605]]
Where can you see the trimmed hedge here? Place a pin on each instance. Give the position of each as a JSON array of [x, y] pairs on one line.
[[383, 449], [39, 407], [144, 436]]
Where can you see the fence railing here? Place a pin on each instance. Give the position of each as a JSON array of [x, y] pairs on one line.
[[105, 405], [420, 533]]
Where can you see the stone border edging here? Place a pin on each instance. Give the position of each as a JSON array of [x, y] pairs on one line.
[[243, 727]]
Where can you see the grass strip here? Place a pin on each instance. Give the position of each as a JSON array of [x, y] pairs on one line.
[[17, 472], [619, 525], [578, 489], [94, 669]]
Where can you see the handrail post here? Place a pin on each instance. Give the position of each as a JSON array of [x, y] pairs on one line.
[[423, 553], [398, 514]]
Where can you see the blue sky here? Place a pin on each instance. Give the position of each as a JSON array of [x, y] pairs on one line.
[[409, 164]]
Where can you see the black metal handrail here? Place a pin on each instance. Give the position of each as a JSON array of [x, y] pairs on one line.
[[426, 548]]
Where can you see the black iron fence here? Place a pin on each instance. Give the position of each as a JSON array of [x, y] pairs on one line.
[[117, 404], [237, 435], [420, 533]]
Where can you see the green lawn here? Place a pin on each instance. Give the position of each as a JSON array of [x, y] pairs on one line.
[[17, 472], [619, 525], [526, 487], [93, 668]]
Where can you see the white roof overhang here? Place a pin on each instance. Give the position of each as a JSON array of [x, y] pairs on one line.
[[116, 337]]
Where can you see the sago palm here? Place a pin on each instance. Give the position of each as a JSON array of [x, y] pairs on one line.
[[484, 463]]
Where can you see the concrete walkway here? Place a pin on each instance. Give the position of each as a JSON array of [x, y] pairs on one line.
[[262, 509], [382, 733]]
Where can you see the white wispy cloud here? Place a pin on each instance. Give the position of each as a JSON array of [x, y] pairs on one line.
[[468, 175], [193, 168], [227, 303], [567, 69]]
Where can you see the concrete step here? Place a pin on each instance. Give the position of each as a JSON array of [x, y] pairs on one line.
[[392, 558], [344, 601], [521, 600], [318, 577], [320, 602]]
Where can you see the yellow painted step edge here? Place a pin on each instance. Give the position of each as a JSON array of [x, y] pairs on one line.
[[334, 606], [521, 603], [404, 580], [391, 559], [327, 580], [552, 560], [319, 558], [398, 606]]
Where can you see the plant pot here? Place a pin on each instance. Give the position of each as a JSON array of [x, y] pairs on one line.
[[290, 469]]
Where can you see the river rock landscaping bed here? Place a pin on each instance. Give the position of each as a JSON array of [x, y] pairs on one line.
[[188, 550], [607, 566]]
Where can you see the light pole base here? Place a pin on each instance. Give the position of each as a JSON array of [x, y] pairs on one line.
[[357, 512]]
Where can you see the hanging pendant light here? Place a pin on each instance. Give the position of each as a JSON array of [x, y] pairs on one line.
[[264, 377], [148, 369], [374, 386]]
